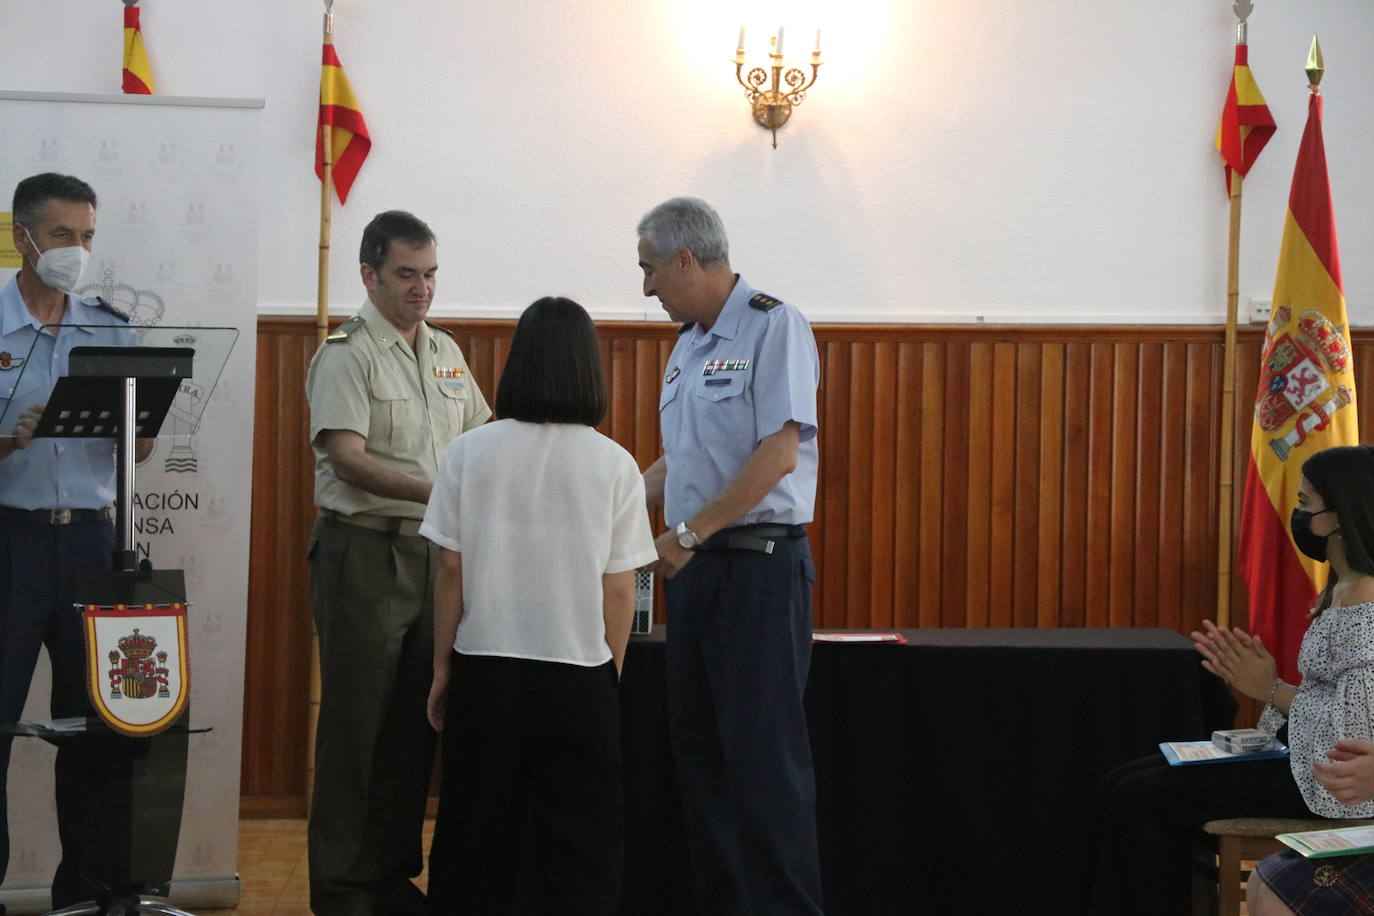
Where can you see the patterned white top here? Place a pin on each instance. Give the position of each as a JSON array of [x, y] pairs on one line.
[[1335, 700]]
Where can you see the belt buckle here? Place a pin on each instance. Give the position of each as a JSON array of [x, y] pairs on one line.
[[60, 517]]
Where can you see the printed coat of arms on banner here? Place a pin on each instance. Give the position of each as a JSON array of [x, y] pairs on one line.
[[1301, 375], [137, 670]]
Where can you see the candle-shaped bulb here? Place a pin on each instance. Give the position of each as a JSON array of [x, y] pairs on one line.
[[740, 46], [818, 42], [780, 41]]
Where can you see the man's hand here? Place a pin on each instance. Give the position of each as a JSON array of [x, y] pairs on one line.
[[672, 556], [28, 422], [1350, 779]]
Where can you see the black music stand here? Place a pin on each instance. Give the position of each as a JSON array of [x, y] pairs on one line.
[[122, 393]]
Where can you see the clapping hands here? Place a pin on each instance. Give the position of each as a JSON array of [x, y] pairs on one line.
[[1237, 658]]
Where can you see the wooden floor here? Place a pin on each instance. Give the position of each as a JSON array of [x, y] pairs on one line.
[[273, 875], [273, 871]]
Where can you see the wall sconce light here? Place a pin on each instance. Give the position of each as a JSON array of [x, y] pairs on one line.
[[773, 106]]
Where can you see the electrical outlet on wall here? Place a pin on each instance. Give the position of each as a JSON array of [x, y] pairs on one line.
[[1259, 310]]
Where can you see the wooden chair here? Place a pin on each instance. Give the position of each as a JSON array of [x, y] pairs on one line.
[[1237, 840]]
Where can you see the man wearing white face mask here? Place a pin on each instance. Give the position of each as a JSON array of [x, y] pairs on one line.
[[56, 495]]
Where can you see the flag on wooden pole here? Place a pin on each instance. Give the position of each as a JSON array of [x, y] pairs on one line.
[[1246, 124], [339, 112], [138, 76], [1305, 403]]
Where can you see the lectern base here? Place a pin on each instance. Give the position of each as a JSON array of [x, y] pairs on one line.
[[123, 907]]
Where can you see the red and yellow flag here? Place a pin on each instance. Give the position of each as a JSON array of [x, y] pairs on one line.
[[1305, 403], [1246, 124], [138, 76], [349, 142]]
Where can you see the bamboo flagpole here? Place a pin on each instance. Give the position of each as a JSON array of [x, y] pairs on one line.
[[326, 145], [326, 181], [342, 145], [1246, 127], [1226, 481]]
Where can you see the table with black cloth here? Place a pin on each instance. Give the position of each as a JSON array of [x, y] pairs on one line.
[[954, 774]]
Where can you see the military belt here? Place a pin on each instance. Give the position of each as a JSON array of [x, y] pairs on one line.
[[390, 524], [57, 516], [758, 538]]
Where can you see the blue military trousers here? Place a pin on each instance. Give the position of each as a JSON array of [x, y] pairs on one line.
[[39, 565], [738, 654]]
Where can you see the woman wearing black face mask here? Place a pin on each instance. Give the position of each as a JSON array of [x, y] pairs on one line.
[[1151, 810]]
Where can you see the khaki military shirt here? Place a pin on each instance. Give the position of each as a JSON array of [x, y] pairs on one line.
[[408, 405]]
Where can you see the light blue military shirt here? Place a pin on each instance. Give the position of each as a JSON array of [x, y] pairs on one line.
[[52, 473], [728, 388]]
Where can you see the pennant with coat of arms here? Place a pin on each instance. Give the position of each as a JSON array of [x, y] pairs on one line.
[[138, 673]]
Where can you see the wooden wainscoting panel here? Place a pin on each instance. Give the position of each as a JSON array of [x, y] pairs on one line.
[[929, 520], [970, 476], [975, 390], [1047, 539], [279, 631]]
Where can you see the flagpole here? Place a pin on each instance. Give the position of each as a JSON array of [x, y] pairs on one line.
[[1226, 481], [1226, 476], [326, 140], [321, 332]]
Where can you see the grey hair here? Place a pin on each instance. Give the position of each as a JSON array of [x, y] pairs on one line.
[[686, 222]]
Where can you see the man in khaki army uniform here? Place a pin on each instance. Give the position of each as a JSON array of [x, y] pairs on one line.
[[387, 394]]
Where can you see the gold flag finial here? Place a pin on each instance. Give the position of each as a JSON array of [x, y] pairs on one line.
[[1315, 65]]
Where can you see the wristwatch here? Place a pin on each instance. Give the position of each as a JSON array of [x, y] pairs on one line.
[[687, 537]]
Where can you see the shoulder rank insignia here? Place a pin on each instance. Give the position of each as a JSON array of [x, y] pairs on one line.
[[763, 302], [345, 329], [97, 302], [434, 327]]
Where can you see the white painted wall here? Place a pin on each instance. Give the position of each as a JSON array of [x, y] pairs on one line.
[[1047, 161]]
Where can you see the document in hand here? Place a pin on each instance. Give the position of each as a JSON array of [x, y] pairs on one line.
[[1318, 844], [1187, 753]]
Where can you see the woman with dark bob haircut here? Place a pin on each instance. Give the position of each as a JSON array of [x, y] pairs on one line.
[[1153, 810], [542, 522]]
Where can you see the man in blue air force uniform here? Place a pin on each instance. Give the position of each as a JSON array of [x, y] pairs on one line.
[[56, 495], [737, 482]]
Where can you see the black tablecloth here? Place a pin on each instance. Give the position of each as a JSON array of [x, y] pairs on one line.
[[954, 774]]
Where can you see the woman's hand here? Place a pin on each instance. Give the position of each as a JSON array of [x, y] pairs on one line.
[[438, 700], [1350, 779], [1237, 658]]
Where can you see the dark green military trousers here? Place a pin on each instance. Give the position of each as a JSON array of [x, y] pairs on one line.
[[372, 594]]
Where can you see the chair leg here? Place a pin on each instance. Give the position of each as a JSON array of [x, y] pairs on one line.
[[1229, 876]]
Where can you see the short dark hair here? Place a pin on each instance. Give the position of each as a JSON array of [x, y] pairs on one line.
[[553, 372], [32, 194], [1343, 477], [392, 226]]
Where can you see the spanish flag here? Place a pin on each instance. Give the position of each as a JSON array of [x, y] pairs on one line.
[[1246, 124], [1305, 403], [138, 76], [348, 139]]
